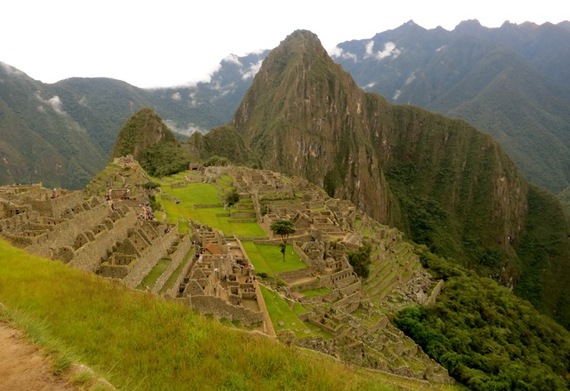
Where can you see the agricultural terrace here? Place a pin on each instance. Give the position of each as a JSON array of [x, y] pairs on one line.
[[181, 201], [284, 315], [268, 258]]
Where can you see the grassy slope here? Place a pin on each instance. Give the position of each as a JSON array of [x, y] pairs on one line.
[[268, 258], [204, 193], [140, 342]]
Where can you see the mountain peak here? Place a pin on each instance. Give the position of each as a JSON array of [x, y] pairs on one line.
[[469, 26], [301, 41], [144, 129]]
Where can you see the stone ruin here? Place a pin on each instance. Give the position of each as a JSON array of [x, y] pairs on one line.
[[221, 280], [112, 240]]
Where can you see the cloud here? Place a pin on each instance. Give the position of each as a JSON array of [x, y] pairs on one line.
[[10, 70], [251, 71], [176, 96], [389, 50], [233, 59], [54, 102], [185, 130], [410, 78], [340, 53]]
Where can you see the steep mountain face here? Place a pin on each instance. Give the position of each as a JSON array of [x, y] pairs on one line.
[[511, 82], [304, 116], [40, 140], [443, 182]]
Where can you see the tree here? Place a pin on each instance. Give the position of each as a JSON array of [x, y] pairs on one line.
[[283, 228], [232, 197], [360, 260]]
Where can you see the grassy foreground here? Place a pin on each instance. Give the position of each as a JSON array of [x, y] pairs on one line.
[[139, 342]]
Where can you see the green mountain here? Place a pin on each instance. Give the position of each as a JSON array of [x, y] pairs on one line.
[[39, 140], [440, 180], [148, 140], [62, 134], [510, 82]]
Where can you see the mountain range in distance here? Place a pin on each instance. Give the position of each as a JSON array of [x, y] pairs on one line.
[[511, 82]]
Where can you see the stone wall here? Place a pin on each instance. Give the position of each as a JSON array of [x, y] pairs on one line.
[[350, 303], [177, 256], [434, 293], [65, 233], [223, 310], [295, 274], [89, 256], [55, 207], [149, 258]]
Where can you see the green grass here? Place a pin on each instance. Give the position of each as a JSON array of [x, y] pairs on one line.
[[174, 276], [284, 316], [201, 194], [316, 292], [268, 258], [155, 273], [139, 342]]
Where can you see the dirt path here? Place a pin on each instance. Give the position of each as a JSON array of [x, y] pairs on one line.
[[22, 367]]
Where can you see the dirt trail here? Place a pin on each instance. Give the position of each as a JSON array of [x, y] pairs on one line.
[[22, 367]]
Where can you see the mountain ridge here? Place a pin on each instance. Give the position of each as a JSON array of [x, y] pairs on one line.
[[438, 179]]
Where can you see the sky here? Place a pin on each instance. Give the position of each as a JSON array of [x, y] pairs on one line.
[[177, 42]]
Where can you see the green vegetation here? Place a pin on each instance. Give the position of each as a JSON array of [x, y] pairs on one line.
[[544, 257], [486, 337], [184, 203], [164, 158], [266, 259], [284, 315], [139, 342], [152, 144], [283, 228], [151, 278], [316, 292], [232, 197], [360, 260]]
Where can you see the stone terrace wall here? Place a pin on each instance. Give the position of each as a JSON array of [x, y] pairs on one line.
[[89, 256], [223, 310], [64, 233], [149, 258], [55, 207], [183, 247]]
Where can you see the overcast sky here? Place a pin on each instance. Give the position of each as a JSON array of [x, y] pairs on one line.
[[174, 42]]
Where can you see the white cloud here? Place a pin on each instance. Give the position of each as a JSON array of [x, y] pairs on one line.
[[233, 59], [410, 78], [251, 71], [389, 50], [10, 70], [340, 53], [54, 102], [369, 49], [369, 85], [56, 105], [176, 96], [396, 95], [187, 130]]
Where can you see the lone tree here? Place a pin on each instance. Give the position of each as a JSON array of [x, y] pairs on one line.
[[232, 197], [283, 228]]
